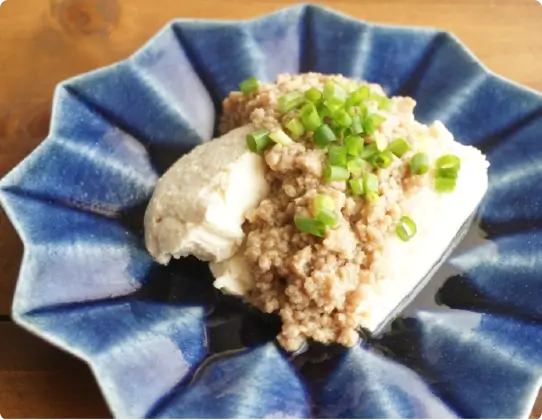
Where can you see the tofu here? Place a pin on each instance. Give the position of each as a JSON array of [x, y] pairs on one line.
[[199, 204], [233, 276], [438, 217]]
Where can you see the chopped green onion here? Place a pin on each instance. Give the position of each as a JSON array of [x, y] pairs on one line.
[[334, 93], [290, 101], [323, 202], [337, 155], [363, 111], [360, 95], [351, 110], [357, 124], [324, 135], [332, 107], [324, 208], [353, 86], [381, 142], [445, 185], [352, 101], [356, 185], [356, 166], [372, 122], [448, 161], [258, 140], [346, 133], [280, 137], [339, 130], [325, 113], [383, 159], [370, 183], [342, 118], [249, 85], [419, 164], [310, 118], [406, 229], [310, 226], [354, 145], [328, 218], [384, 103], [313, 95], [448, 166], [336, 173], [368, 151], [399, 147], [295, 127]]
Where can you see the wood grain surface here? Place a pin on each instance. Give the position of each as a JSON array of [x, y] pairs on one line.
[[45, 41]]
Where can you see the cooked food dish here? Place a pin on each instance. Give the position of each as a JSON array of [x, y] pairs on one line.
[[324, 201]]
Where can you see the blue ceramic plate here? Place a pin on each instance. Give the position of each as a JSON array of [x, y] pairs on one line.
[[163, 343]]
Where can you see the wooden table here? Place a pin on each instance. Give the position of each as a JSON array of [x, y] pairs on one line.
[[45, 41]]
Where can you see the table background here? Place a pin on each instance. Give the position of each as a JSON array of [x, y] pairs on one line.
[[45, 41]]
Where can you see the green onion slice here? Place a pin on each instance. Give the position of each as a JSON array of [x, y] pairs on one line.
[[382, 160], [351, 110], [295, 127], [363, 111], [323, 202], [324, 208], [356, 185], [325, 113], [352, 101], [328, 218], [406, 229], [258, 140], [368, 151], [343, 118], [354, 145], [419, 164], [280, 137], [333, 107], [336, 173], [370, 183], [447, 166], [357, 124], [313, 95], [249, 85], [290, 101], [381, 142], [339, 130], [360, 95], [445, 185], [356, 166], [334, 93], [310, 118], [337, 155], [324, 135], [350, 85], [399, 147], [384, 103], [310, 226], [372, 122]]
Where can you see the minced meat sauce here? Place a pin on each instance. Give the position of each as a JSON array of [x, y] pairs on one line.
[[318, 284]]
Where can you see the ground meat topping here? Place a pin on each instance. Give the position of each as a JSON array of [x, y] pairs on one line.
[[318, 285]]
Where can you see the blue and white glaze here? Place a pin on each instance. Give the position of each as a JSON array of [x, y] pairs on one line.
[[163, 343]]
